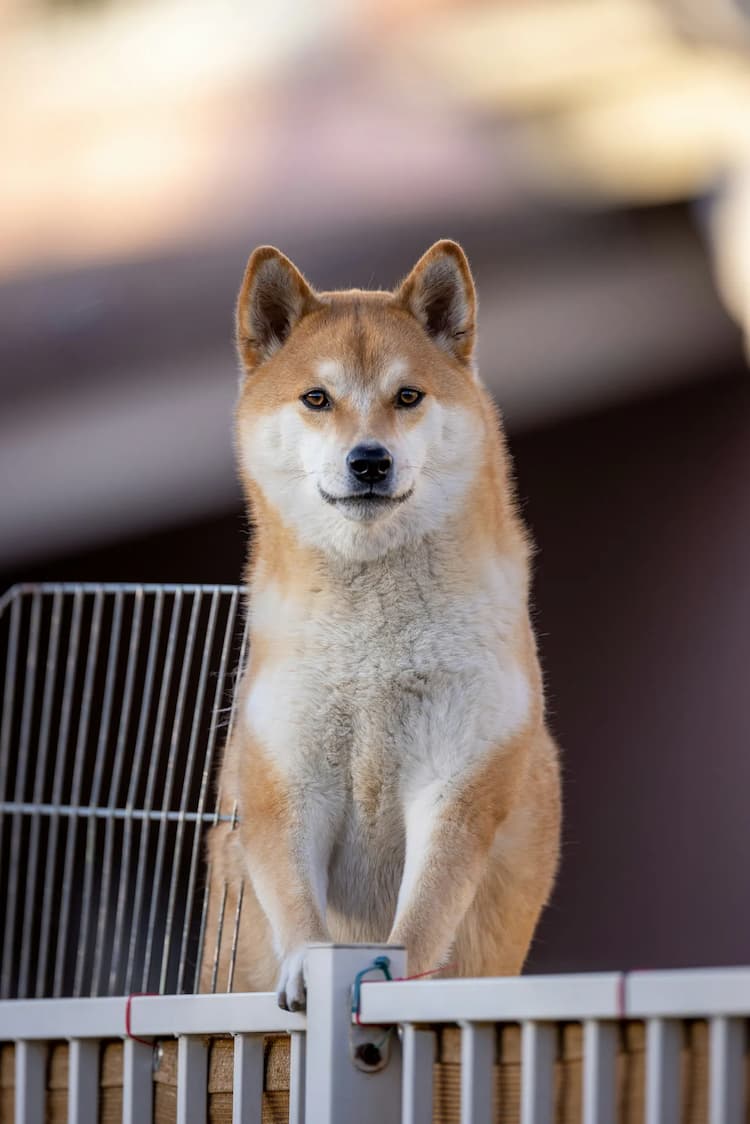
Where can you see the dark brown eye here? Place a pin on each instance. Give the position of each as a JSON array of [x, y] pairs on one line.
[[316, 399], [408, 396]]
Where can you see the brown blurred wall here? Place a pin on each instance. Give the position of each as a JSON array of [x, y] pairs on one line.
[[643, 602]]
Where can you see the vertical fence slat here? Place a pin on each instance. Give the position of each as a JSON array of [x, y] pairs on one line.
[[726, 1071], [663, 1040], [192, 1080], [247, 1083], [477, 1056], [83, 1081], [538, 1050], [599, 1079], [137, 1082], [296, 1078], [30, 1082], [419, 1057]]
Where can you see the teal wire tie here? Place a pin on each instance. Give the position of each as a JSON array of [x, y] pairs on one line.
[[379, 964]]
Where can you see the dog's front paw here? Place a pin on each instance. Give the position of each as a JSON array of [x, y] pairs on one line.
[[291, 991]]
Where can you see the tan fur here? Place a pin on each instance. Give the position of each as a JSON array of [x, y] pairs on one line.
[[485, 863]]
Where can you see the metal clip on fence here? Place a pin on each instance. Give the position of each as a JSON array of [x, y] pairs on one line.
[[366, 1055]]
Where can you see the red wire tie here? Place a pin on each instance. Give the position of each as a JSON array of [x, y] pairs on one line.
[[421, 975], [622, 982], [128, 1008]]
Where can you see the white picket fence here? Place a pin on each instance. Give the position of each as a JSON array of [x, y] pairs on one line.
[[345, 1069]]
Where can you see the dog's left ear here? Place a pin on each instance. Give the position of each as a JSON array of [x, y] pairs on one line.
[[439, 292]]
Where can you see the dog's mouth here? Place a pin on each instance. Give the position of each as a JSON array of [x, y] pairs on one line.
[[364, 505]]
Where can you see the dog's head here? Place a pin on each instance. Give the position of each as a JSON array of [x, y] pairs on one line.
[[360, 417]]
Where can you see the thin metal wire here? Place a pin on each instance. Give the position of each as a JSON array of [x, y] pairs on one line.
[[235, 936], [8, 695], [25, 588], [197, 976], [50, 676], [114, 788], [140, 882], [5, 732], [90, 863], [205, 778], [219, 934], [169, 782], [21, 770], [188, 776], [62, 741], [135, 774], [86, 812], [209, 881], [79, 761]]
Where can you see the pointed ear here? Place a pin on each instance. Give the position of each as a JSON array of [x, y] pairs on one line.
[[439, 292], [273, 298]]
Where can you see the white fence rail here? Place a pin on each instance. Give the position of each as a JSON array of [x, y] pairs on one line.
[[382, 1070]]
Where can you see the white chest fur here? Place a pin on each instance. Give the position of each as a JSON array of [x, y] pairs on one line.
[[406, 664]]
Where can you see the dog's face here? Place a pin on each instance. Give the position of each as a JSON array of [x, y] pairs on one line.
[[359, 418]]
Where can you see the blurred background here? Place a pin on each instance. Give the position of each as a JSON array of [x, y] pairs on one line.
[[593, 157]]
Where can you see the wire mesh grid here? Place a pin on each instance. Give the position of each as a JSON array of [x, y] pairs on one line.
[[116, 702]]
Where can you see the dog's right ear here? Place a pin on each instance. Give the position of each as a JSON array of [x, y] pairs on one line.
[[273, 298]]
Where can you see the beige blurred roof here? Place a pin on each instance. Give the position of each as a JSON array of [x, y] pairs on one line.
[[131, 127]]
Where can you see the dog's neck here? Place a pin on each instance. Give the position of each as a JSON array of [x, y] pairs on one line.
[[451, 557]]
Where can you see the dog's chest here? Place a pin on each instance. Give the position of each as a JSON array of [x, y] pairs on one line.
[[386, 682]]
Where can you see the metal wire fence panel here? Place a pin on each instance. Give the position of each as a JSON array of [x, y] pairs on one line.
[[116, 701]]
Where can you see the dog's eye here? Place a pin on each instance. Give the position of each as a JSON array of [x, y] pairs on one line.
[[316, 399], [408, 396]]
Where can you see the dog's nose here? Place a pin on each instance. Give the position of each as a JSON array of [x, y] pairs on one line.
[[370, 463]]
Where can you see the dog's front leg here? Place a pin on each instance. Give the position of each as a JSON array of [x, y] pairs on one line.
[[288, 831], [450, 827]]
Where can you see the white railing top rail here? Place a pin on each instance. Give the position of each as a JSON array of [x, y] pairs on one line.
[[145, 1016], [682, 993], [693, 993]]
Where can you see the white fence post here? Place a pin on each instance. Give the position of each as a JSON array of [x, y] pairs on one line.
[[726, 1071], [83, 1080], [297, 1047], [247, 1085], [338, 1091], [663, 1041], [477, 1058], [538, 1049], [418, 1062], [192, 1079], [137, 1082], [599, 1072]]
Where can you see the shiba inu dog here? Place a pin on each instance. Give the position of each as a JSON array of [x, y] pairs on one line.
[[390, 766]]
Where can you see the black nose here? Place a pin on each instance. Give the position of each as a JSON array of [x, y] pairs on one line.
[[370, 463]]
